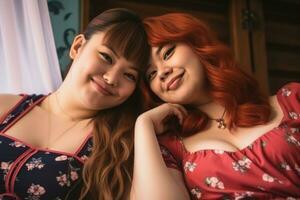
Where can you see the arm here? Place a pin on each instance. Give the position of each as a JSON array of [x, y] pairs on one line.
[[152, 178]]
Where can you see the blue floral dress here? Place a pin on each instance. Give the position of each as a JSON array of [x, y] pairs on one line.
[[31, 173]]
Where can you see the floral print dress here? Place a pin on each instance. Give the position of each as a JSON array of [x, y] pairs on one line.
[[269, 168], [29, 173]]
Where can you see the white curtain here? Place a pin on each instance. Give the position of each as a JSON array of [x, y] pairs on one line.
[[28, 60]]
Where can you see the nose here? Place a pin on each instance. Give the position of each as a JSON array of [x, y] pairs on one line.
[[111, 77], [166, 71]]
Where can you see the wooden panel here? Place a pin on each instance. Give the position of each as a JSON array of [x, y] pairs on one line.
[[283, 60], [282, 19], [278, 80], [260, 68], [249, 42], [213, 13], [282, 11], [282, 33], [84, 17], [239, 36]]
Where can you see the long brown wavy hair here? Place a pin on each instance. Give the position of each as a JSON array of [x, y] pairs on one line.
[[107, 173], [227, 84]]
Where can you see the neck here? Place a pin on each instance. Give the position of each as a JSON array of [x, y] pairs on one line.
[[61, 104], [212, 109], [216, 114]]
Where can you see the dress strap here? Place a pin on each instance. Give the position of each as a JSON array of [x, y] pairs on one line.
[[85, 149], [26, 103]]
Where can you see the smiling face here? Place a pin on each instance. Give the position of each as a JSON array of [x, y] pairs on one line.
[[176, 75], [101, 76]]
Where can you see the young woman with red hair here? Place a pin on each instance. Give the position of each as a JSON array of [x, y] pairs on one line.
[[231, 141]]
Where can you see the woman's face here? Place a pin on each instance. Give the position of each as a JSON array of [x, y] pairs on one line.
[[176, 75], [102, 77]]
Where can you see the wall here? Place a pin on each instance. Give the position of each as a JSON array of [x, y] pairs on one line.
[[65, 19]]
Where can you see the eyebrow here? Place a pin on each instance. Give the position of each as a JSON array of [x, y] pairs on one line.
[[117, 55]]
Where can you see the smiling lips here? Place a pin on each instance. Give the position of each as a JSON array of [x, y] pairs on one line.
[[101, 87], [174, 83]]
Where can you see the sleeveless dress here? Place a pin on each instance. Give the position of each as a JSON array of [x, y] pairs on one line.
[[33, 173], [269, 168]]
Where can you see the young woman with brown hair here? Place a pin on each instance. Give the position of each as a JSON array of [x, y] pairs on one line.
[[85, 128]]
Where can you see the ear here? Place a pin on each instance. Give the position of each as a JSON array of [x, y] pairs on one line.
[[77, 45]]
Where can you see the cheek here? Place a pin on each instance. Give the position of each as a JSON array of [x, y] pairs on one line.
[[155, 88], [127, 91]]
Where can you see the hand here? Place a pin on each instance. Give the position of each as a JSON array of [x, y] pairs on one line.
[[158, 114]]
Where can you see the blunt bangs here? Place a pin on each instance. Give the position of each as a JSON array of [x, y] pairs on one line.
[[129, 40]]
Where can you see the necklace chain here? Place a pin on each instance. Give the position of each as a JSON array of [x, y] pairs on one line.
[[74, 123], [221, 121]]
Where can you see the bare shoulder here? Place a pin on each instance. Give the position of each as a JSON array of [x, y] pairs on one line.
[[7, 101], [277, 112], [274, 102]]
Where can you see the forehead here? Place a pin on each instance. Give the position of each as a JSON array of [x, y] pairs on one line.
[[130, 46], [97, 39]]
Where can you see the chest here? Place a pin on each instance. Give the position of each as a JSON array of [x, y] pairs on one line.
[[234, 139], [38, 129], [270, 163], [224, 139]]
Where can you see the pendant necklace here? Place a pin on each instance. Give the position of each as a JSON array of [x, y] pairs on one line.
[[220, 121]]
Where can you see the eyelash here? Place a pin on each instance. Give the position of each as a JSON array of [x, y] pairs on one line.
[[131, 77], [151, 75], [169, 52], [106, 57]]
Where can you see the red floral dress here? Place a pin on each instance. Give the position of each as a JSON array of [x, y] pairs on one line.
[[269, 168]]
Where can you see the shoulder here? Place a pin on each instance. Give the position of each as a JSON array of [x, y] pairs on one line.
[[7, 102], [289, 92], [289, 89], [289, 98]]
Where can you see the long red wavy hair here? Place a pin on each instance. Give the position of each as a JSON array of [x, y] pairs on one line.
[[227, 84]]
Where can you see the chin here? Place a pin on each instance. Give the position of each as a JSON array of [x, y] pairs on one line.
[[182, 99], [175, 101]]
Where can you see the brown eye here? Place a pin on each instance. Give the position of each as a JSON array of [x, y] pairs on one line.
[[106, 57], [151, 75], [131, 77], [169, 52]]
